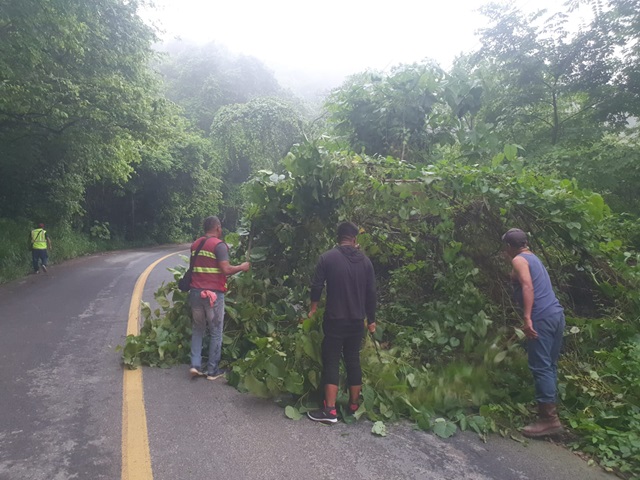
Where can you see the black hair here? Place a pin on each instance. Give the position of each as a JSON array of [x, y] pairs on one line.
[[210, 223], [347, 231]]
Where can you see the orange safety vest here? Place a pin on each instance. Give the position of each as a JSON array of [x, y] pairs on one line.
[[206, 270]]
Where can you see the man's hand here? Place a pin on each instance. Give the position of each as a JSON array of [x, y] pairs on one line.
[[245, 266], [528, 330], [372, 327], [313, 308]]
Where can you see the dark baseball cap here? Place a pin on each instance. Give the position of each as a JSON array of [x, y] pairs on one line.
[[515, 237], [347, 229], [41, 225]]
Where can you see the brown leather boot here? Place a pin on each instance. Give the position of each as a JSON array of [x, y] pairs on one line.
[[548, 422]]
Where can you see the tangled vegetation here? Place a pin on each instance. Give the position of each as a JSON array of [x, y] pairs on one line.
[[447, 352]]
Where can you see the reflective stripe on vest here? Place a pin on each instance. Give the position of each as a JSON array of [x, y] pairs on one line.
[[204, 253], [206, 270], [39, 239]]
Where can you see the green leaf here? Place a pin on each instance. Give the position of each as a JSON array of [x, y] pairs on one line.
[[310, 348], [444, 428], [294, 383], [163, 301], [596, 206], [511, 152], [361, 411], [313, 378], [256, 387], [292, 413], [497, 160], [276, 367], [145, 309], [500, 356], [368, 396], [379, 428], [519, 333]]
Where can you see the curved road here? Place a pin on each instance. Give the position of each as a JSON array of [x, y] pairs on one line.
[[61, 402]]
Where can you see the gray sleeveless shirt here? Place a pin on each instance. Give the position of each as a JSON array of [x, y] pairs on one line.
[[545, 302]]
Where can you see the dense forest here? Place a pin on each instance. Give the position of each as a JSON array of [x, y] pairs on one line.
[[111, 141]]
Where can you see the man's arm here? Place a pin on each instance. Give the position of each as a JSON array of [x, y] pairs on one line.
[[48, 241], [317, 285], [229, 269], [222, 255], [523, 274], [370, 299]]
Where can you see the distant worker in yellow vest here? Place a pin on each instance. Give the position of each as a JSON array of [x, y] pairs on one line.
[[39, 242]]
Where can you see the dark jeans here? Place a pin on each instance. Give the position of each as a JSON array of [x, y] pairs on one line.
[[342, 338], [36, 256], [543, 355]]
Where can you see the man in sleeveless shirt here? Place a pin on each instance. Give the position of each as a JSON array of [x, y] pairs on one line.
[[206, 296], [544, 323]]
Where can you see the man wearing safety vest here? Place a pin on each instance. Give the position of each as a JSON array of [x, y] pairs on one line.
[[39, 242], [206, 296]]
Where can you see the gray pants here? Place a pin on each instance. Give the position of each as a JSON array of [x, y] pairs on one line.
[[203, 315]]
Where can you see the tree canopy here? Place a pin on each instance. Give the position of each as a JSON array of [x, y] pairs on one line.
[[64, 66]]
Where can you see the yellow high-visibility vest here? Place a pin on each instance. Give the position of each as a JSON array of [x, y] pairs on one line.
[[39, 239]]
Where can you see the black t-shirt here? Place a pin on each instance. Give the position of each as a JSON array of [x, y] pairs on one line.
[[351, 285]]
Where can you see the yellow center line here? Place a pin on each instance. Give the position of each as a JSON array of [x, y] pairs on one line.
[[136, 457]]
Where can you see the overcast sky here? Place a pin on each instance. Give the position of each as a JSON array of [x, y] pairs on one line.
[[332, 38]]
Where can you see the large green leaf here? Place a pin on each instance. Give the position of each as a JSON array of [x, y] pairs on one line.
[[255, 386], [444, 428], [292, 413]]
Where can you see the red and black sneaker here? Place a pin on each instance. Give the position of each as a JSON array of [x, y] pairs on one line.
[[353, 408], [324, 415]]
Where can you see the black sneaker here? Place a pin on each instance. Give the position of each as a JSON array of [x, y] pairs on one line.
[[44, 268], [353, 408], [196, 372], [220, 372], [324, 415]]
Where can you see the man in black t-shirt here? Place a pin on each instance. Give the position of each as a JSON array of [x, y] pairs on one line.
[[351, 296]]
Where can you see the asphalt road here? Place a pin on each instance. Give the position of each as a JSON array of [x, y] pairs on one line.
[[61, 403]]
